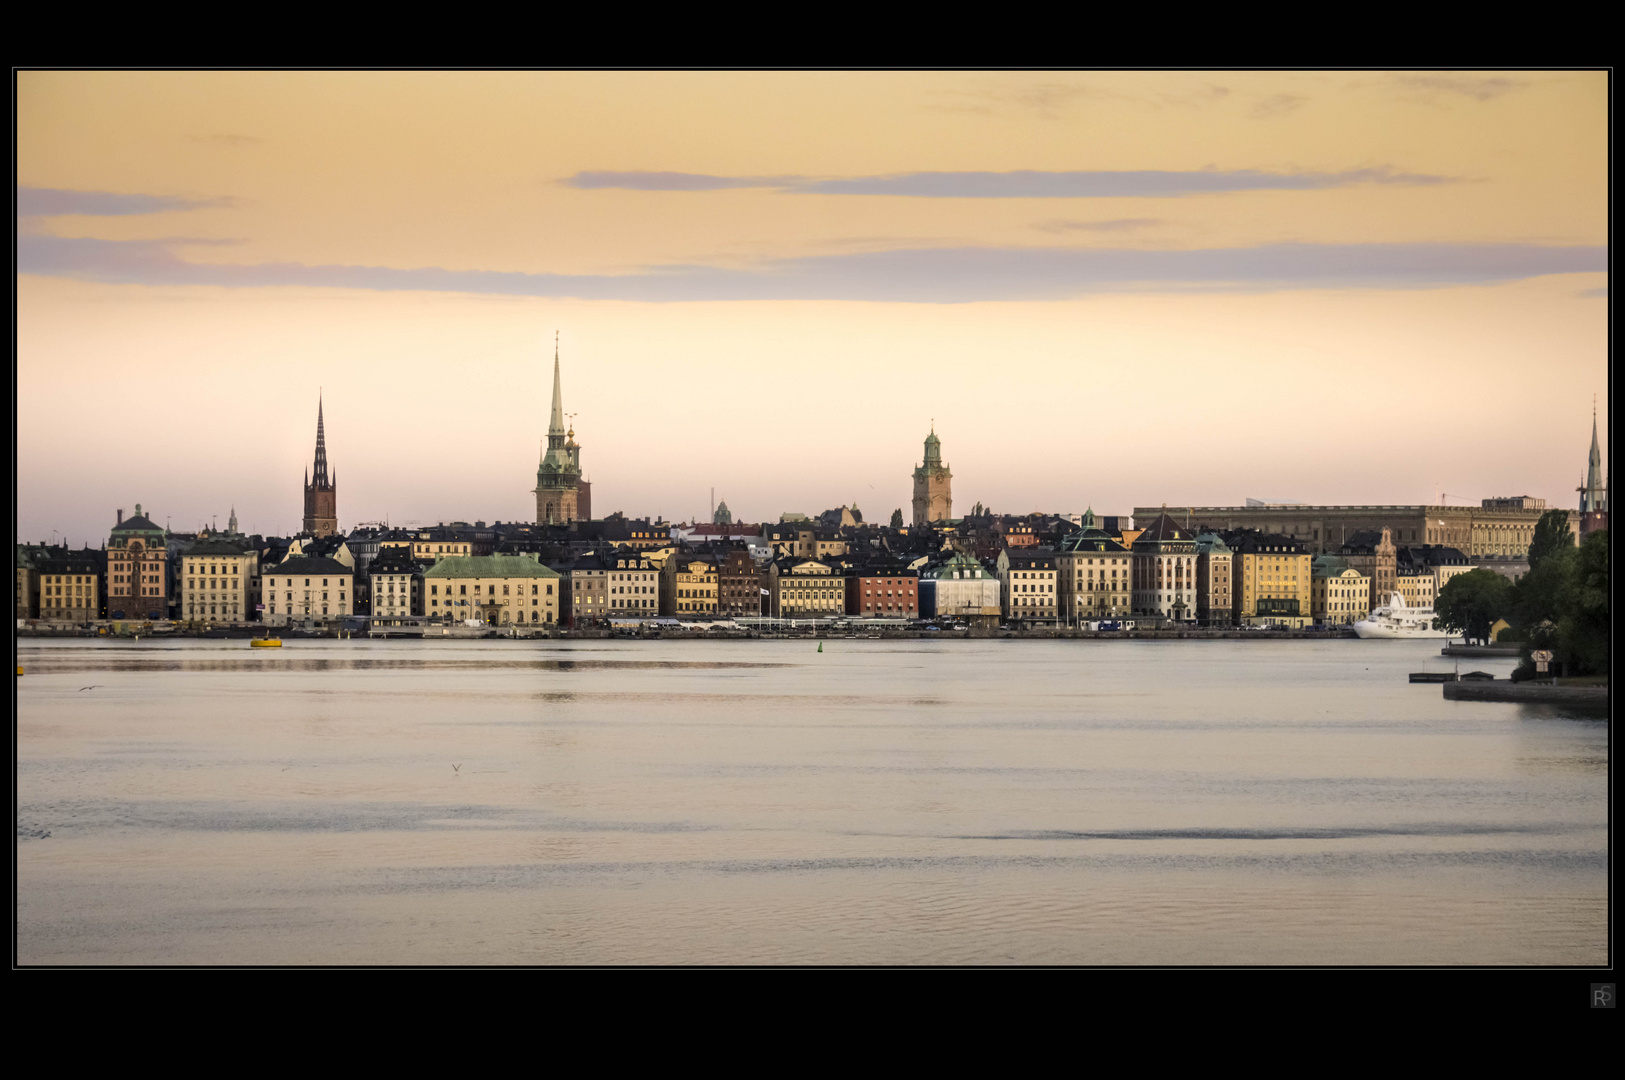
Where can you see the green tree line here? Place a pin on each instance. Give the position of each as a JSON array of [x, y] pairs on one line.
[[1561, 604]]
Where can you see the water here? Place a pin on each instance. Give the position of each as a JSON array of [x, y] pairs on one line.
[[1293, 802]]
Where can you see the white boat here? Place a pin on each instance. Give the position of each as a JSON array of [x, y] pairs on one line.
[[1399, 621]]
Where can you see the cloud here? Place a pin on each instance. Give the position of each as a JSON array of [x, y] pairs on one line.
[[908, 275], [49, 202], [1594, 294], [1479, 88], [1277, 105], [1057, 225], [1020, 184]]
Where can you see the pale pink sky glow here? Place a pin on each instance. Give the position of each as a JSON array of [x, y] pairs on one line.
[[1379, 288]]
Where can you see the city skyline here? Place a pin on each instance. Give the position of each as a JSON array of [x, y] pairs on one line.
[[1106, 289]]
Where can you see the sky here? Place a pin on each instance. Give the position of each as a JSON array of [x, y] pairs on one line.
[[1103, 289]]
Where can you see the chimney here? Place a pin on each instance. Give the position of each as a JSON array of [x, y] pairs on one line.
[[120, 520]]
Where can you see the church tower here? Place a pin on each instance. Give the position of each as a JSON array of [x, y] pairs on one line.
[[933, 484], [1594, 495], [558, 478], [321, 492]]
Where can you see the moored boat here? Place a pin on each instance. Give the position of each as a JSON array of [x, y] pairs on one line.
[[1398, 620]]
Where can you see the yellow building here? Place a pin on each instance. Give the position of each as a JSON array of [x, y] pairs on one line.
[[1027, 579], [497, 590], [1341, 594], [688, 586], [69, 586], [217, 582], [1271, 576]]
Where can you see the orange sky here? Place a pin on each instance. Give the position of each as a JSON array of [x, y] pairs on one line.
[[1106, 289]]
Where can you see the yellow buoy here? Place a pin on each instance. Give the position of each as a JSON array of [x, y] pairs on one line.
[[19, 669], [266, 643]]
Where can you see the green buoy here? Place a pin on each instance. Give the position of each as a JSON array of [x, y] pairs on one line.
[[820, 646]]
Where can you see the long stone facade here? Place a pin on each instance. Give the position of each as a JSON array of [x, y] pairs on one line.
[[1504, 528]]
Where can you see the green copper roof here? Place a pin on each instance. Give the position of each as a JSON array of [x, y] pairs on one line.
[[489, 566]]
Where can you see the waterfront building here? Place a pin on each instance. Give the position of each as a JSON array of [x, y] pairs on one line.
[[429, 544], [1027, 585], [933, 484], [396, 581], [804, 539], [558, 477], [1594, 492], [138, 583], [1165, 571], [217, 580], [321, 490], [1498, 526], [1271, 580], [959, 587], [1446, 562], [1339, 594], [496, 590], [1214, 581], [28, 583], [1092, 574], [1372, 552], [883, 592], [805, 589], [69, 585], [688, 586], [308, 588], [1414, 580], [739, 584]]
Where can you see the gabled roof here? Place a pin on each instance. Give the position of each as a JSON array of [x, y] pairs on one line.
[[489, 566], [309, 564], [213, 546], [138, 523], [1092, 541], [1163, 530]]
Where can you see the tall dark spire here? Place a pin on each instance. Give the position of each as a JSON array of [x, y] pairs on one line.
[[321, 448]]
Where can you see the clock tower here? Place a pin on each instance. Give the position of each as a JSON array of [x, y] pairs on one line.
[[933, 484]]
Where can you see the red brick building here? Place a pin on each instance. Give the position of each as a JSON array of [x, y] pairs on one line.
[[883, 593]]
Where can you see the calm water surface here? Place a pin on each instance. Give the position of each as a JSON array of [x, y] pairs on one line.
[[755, 801]]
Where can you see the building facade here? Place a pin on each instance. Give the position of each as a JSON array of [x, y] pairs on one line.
[[1165, 571], [805, 589], [1340, 594], [1374, 554], [138, 585], [308, 588], [217, 581], [1027, 585], [495, 590], [1499, 526], [1272, 580], [321, 490], [960, 587], [397, 585], [1092, 575], [1214, 581], [70, 585], [933, 484], [688, 586], [739, 585], [883, 592]]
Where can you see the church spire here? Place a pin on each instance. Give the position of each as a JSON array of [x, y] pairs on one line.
[[1594, 495], [320, 469], [555, 424]]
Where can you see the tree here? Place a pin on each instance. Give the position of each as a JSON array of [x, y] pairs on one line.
[[1582, 625], [1551, 536], [1470, 603], [896, 517]]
